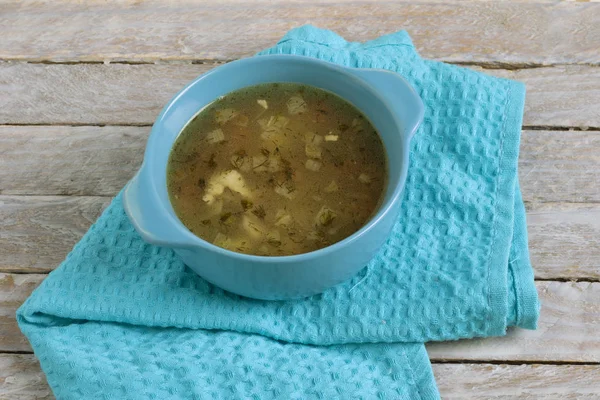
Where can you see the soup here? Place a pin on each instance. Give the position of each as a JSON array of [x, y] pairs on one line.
[[276, 169]]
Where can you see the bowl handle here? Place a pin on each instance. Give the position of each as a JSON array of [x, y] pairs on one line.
[[154, 225], [398, 93]]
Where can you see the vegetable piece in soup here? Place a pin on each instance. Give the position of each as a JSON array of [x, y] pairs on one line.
[[277, 169]]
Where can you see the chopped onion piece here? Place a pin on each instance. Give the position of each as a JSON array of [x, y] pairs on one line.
[[314, 236], [310, 137], [332, 187], [312, 150], [262, 103], [325, 216], [214, 189], [313, 165], [296, 105], [364, 178], [215, 136], [221, 240], [282, 218], [217, 184], [284, 191], [224, 115], [273, 126], [260, 163], [253, 227], [331, 138], [274, 238]]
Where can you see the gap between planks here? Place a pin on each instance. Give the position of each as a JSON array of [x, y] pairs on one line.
[[143, 124], [134, 94], [465, 31], [480, 64]]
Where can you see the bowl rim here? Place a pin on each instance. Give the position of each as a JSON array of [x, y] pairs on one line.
[[192, 241]]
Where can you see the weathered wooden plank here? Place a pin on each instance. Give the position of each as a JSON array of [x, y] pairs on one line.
[[568, 331], [66, 160], [568, 328], [38, 232], [134, 94], [504, 382], [14, 289], [560, 166], [553, 94], [89, 94], [98, 161], [22, 379], [564, 240], [504, 32]]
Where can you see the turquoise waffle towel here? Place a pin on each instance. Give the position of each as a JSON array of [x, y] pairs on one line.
[[121, 319]]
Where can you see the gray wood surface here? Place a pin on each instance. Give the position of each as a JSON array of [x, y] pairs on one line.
[[483, 31], [509, 382], [123, 94], [564, 240], [22, 379], [39, 231]]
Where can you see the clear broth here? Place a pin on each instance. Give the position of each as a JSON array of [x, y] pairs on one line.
[[277, 169]]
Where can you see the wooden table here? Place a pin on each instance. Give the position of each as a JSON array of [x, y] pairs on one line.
[[81, 83]]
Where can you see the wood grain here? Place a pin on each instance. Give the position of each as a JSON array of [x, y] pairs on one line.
[[504, 382], [22, 379], [554, 166], [38, 232], [560, 166], [495, 32], [564, 240], [568, 328], [66, 160], [14, 289], [560, 96], [134, 94], [89, 94], [568, 331]]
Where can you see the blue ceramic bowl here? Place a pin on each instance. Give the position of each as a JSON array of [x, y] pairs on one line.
[[384, 97]]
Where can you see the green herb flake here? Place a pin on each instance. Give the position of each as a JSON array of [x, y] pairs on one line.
[[225, 218], [274, 242], [211, 162], [246, 204], [260, 212], [325, 216]]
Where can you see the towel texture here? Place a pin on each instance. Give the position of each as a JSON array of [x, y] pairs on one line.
[[123, 319]]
